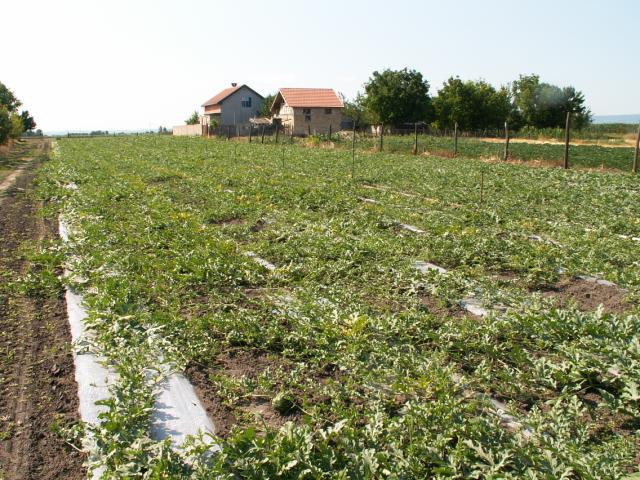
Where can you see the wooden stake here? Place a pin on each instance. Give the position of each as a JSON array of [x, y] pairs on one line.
[[635, 154], [415, 143], [381, 136], [262, 141], [283, 156], [506, 141], [277, 131], [308, 130], [250, 131], [455, 140], [566, 142], [329, 132], [353, 151], [481, 185]]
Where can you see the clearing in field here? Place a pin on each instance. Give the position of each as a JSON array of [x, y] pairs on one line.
[[427, 317]]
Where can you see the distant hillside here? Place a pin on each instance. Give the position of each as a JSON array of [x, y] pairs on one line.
[[632, 118]]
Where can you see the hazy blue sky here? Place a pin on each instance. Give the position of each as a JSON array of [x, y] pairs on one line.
[[84, 64]]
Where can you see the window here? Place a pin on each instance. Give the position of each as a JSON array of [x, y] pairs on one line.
[[307, 114], [307, 118], [327, 111], [246, 102]]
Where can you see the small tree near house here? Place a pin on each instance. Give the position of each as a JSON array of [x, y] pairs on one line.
[[194, 119]]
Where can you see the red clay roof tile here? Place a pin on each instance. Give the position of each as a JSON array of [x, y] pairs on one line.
[[311, 97], [221, 96]]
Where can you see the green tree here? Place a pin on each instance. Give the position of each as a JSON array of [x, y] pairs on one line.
[[8, 99], [394, 97], [28, 122], [265, 110], [543, 105], [194, 119], [5, 124], [474, 105], [357, 110], [10, 125]]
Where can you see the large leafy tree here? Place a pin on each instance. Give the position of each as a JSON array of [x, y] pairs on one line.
[[8, 99], [11, 123], [394, 97], [474, 105], [28, 123], [543, 105]]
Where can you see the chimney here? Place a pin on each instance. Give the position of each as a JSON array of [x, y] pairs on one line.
[[234, 84]]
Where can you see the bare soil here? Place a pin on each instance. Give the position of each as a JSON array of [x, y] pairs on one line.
[[435, 307], [587, 296], [624, 142], [38, 393], [236, 363]]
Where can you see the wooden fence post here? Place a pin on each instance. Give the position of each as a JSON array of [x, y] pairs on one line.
[[566, 142], [353, 151], [415, 143], [308, 130], [329, 132], [262, 141], [277, 132], [455, 139], [250, 131], [506, 141], [382, 136], [635, 154]]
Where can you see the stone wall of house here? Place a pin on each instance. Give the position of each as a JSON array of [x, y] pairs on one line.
[[320, 121]]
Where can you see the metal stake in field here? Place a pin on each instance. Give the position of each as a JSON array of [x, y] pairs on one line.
[[353, 152], [506, 141], [566, 142], [635, 153], [455, 139], [415, 142]]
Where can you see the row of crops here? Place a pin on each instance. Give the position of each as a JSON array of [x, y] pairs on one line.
[[548, 154], [345, 361]]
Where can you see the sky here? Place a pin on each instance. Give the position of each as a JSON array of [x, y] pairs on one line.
[[139, 64]]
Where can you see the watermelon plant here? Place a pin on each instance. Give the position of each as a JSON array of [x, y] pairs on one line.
[[344, 360]]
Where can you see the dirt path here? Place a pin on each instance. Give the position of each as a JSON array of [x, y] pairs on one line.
[[38, 393]]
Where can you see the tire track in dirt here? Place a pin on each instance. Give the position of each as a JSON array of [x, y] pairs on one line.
[[38, 393]]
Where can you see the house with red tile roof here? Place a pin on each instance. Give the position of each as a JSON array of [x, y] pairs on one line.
[[235, 106], [315, 111]]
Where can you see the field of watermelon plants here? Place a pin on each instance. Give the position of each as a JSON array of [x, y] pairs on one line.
[[324, 318]]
